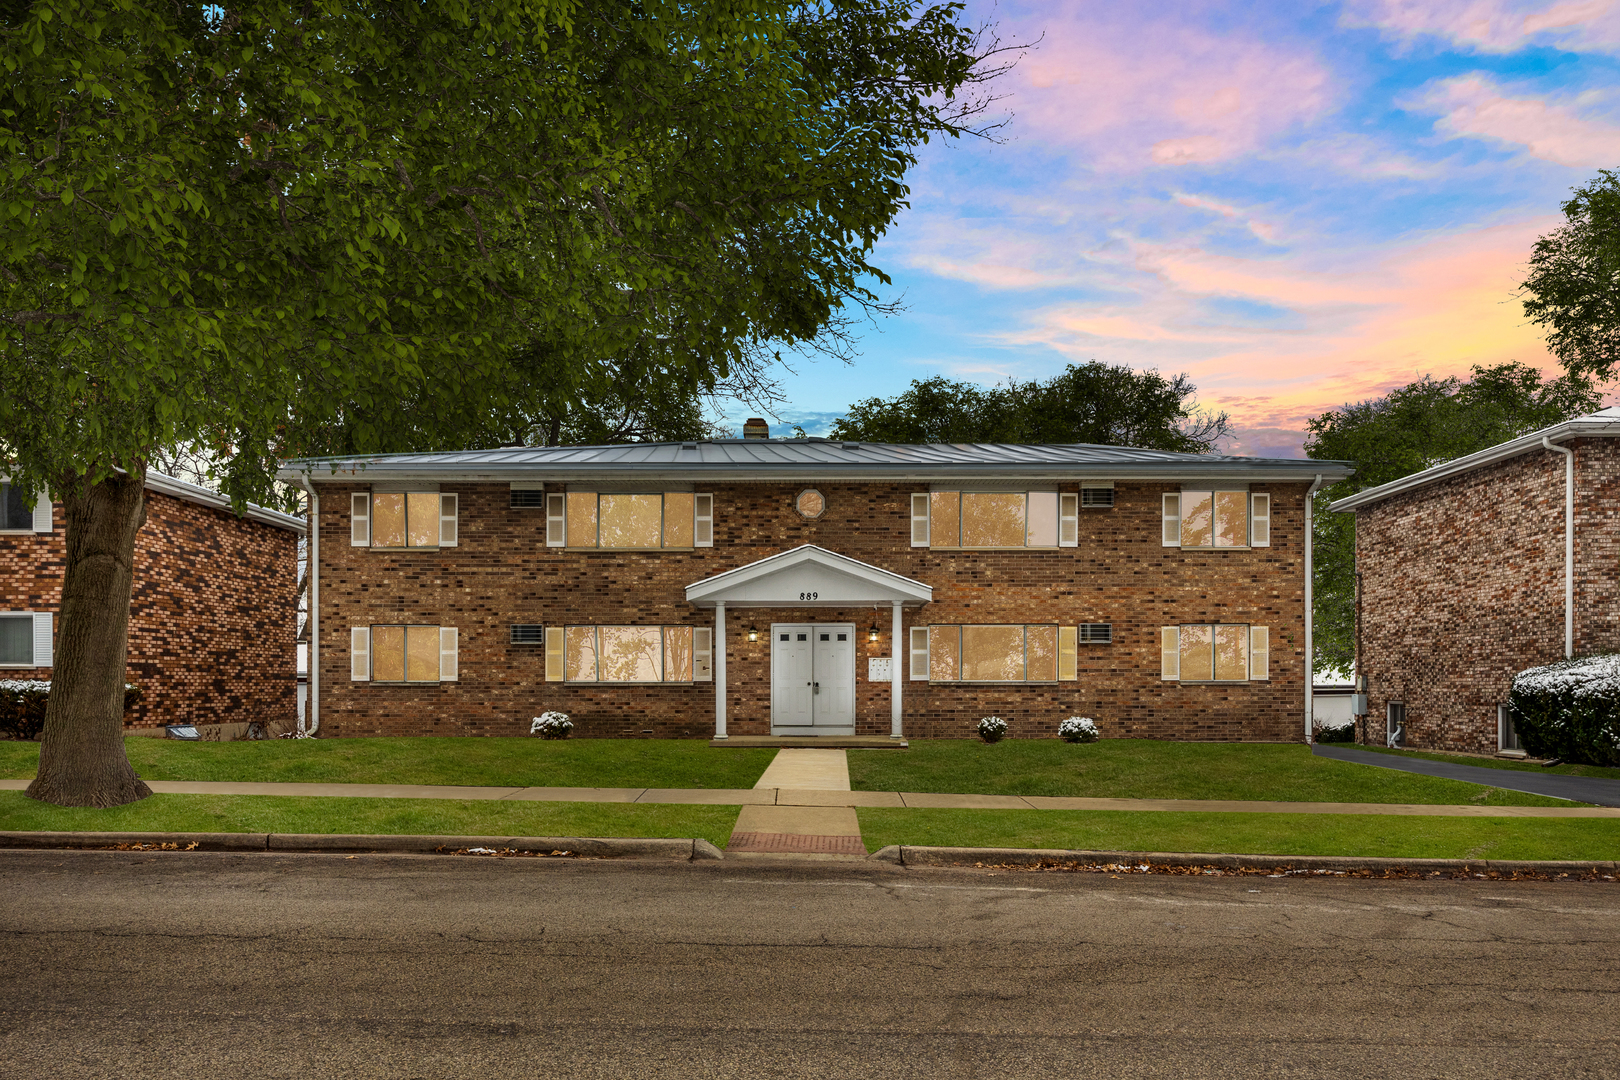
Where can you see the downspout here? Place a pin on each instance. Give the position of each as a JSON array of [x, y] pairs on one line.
[[313, 714], [1310, 658], [1569, 544]]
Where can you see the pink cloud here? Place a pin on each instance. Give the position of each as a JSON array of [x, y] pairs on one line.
[[1135, 91], [1495, 26], [1475, 106]]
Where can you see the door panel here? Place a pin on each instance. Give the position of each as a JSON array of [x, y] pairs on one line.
[[792, 676], [835, 676]]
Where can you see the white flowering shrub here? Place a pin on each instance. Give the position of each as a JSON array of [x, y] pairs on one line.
[[551, 725], [992, 729], [1079, 729], [22, 705], [1570, 709]]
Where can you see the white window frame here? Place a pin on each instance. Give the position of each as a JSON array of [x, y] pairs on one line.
[[1504, 728], [1248, 507], [361, 655], [960, 493], [702, 654], [919, 521], [41, 639], [702, 519], [918, 669], [556, 519], [1257, 655], [39, 518], [1069, 519], [961, 635], [662, 650], [1170, 519], [1392, 710], [1259, 519], [361, 516], [448, 513]]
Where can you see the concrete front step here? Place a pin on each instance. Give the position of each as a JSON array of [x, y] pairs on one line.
[[826, 742]]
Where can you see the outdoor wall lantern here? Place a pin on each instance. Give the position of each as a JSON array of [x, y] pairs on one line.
[[872, 634], [753, 633]]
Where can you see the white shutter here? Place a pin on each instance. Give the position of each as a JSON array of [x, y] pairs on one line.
[[554, 654], [1171, 535], [42, 512], [449, 652], [1069, 519], [447, 520], [1260, 521], [919, 653], [703, 654], [919, 522], [556, 521], [1260, 653], [43, 641], [1068, 654], [703, 521], [360, 654], [1170, 653], [360, 519]]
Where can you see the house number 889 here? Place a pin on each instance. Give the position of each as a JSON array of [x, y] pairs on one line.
[[808, 595]]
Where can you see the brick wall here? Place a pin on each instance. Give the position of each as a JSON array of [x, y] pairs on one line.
[[1463, 587], [212, 611], [501, 573]]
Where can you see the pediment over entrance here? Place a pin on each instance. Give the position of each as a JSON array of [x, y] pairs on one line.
[[808, 576]]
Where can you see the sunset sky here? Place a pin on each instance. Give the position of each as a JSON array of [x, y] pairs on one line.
[[1298, 205]]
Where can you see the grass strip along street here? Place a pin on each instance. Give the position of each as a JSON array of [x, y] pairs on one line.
[[1146, 769]]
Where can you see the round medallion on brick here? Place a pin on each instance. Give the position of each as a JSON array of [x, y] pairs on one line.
[[810, 504]]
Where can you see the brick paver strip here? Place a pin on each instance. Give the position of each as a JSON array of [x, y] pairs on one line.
[[1589, 789], [796, 842]]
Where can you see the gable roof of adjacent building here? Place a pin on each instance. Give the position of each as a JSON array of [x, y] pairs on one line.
[[1602, 424], [192, 493], [810, 459]]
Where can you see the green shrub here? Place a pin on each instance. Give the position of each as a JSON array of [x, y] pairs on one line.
[[1570, 710], [1345, 733], [22, 706]]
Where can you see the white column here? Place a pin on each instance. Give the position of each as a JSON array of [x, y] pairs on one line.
[[898, 675], [720, 669]]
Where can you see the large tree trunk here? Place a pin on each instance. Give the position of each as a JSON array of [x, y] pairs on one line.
[[82, 760]]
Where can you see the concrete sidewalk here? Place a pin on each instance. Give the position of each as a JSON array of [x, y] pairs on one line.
[[833, 798]]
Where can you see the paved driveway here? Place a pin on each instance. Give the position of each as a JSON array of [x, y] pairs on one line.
[[1587, 789]]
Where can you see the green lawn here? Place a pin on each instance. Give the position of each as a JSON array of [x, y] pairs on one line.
[[295, 814], [1148, 769], [1495, 763], [509, 762], [1256, 834]]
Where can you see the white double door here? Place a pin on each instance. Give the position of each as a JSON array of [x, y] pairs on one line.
[[812, 678]]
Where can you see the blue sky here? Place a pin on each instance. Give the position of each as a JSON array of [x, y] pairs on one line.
[[1298, 205]]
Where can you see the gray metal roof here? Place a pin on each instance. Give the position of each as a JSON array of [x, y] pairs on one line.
[[808, 459], [1605, 423]]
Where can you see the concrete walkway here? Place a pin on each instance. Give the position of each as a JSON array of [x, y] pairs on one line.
[[791, 797], [1589, 789], [825, 826]]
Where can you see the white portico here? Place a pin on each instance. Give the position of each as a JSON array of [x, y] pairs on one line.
[[812, 664]]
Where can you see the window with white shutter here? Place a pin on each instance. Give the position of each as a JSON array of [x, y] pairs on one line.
[[1170, 653], [42, 512], [1260, 653], [1069, 519], [360, 654], [1068, 654], [447, 520], [44, 641], [449, 652], [919, 520], [703, 521], [554, 654], [703, 654], [919, 654], [1171, 515], [556, 520], [360, 519], [1260, 520]]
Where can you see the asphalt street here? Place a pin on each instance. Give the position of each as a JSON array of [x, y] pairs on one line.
[[181, 965]]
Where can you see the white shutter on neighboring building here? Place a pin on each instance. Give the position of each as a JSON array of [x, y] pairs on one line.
[[1260, 520], [43, 640], [449, 652], [447, 520], [556, 521], [42, 512], [919, 520], [703, 521], [1260, 653], [703, 654], [1171, 536], [919, 653], [554, 654], [360, 519], [1069, 519], [1170, 653], [360, 654]]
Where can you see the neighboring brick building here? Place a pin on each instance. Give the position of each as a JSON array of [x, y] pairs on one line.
[[747, 587], [213, 611], [1463, 581]]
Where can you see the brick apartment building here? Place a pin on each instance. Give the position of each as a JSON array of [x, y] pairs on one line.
[[811, 587], [213, 611], [1479, 568]]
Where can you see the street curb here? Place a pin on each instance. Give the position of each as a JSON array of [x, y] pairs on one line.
[[595, 847], [907, 855]]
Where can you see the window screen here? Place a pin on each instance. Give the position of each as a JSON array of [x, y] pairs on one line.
[[17, 639], [16, 509]]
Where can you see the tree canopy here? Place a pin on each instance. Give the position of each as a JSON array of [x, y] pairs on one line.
[[261, 230], [1088, 403], [1412, 428], [1574, 281]]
